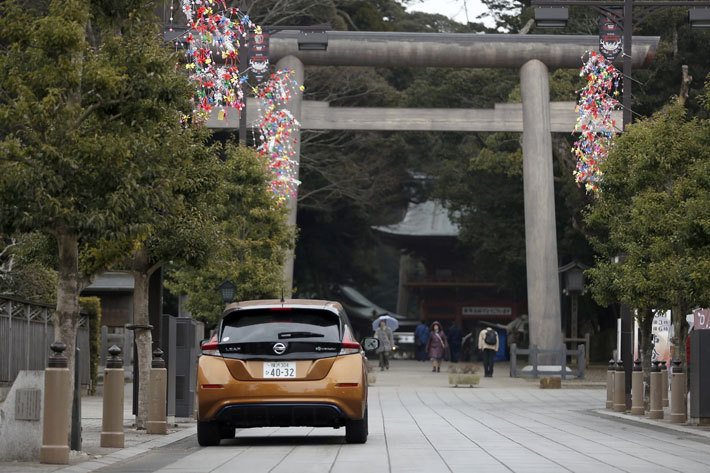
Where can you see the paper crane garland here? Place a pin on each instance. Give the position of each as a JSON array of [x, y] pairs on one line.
[[597, 101], [215, 34]]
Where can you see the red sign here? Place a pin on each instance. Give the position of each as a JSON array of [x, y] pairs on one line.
[[610, 33], [701, 319]]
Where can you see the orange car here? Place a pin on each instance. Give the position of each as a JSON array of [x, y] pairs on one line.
[[282, 363]]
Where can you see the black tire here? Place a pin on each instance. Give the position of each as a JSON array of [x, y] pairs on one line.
[[356, 430], [227, 431], [208, 434]]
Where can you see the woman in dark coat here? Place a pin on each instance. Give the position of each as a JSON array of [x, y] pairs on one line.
[[436, 346]]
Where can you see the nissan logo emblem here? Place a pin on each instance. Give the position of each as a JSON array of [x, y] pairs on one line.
[[279, 348]]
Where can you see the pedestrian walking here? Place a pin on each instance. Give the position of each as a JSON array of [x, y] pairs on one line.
[[454, 336], [421, 337], [436, 346], [384, 335], [488, 344]]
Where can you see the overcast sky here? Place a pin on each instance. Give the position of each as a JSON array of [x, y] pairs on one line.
[[454, 9]]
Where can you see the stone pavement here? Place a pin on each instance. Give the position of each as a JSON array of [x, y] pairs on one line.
[[419, 424]]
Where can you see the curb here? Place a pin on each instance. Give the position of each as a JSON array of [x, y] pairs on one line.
[[698, 431], [130, 452]]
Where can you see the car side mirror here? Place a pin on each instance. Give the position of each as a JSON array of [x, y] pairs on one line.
[[370, 344]]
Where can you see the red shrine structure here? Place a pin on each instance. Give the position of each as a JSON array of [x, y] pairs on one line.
[[436, 273]]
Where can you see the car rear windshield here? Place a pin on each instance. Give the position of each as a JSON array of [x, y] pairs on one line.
[[254, 326]]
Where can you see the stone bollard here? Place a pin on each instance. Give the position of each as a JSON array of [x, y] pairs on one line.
[[610, 385], [678, 394], [619, 392], [112, 435], [664, 385], [158, 384], [55, 431], [656, 407], [637, 390]]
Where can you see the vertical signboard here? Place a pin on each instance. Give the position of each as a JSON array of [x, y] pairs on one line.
[[610, 32], [661, 330], [259, 55], [701, 319]]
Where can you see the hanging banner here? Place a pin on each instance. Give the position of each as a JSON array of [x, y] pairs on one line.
[[259, 55], [661, 330], [610, 33]]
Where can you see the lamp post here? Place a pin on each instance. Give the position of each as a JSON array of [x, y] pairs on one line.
[[627, 342], [554, 14], [227, 290], [574, 287]]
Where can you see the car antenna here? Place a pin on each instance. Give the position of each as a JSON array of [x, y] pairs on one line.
[[282, 296]]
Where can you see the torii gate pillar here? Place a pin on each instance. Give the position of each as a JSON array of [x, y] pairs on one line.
[[295, 106], [539, 192]]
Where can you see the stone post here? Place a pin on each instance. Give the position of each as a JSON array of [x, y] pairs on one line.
[[112, 435], [157, 423], [540, 226], [637, 390], [619, 392], [55, 431], [678, 394], [656, 407], [610, 385], [664, 385], [295, 106]]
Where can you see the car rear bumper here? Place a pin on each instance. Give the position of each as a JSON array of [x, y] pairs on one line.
[[281, 415], [340, 394]]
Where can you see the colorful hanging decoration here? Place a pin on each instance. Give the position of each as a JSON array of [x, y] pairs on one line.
[[215, 28], [276, 130], [213, 39], [597, 101]]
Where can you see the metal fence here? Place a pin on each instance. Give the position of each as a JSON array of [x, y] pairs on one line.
[[26, 331], [536, 369]]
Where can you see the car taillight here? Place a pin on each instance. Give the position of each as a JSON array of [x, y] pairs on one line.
[[349, 346], [210, 348]]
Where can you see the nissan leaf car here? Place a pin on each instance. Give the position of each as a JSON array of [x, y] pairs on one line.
[[282, 363]]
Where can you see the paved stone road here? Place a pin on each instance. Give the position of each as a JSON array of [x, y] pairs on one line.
[[417, 424]]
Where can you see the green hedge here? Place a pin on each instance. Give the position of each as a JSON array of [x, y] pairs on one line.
[[91, 306]]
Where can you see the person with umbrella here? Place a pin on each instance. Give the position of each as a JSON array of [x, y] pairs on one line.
[[383, 332], [436, 346]]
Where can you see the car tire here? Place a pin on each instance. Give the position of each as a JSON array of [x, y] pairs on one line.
[[227, 431], [208, 434], [356, 430]]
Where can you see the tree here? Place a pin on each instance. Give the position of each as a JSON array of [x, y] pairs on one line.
[[26, 268], [184, 232], [89, 94], [249, 239], [654, 208]]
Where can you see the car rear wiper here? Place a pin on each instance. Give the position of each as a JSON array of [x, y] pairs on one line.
[[283, 335]]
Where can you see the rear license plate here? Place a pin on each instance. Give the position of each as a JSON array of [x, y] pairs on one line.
[[279, 369]]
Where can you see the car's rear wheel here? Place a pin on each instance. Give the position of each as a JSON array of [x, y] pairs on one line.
[[356, 430], [208, 434], [226, 431]]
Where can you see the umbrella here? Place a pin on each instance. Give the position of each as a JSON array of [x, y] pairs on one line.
[[391, 322]]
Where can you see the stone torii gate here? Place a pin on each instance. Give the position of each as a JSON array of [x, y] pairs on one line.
[[533, 55]]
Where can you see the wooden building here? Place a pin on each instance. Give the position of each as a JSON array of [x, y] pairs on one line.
[[436, 271]]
